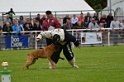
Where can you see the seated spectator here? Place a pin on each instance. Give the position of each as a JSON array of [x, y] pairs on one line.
[[37, 26], [68, 24], [93, 24], [79, 26], [81, 19], [28, 21], [43, 18], [87, 19], [7, 28], [16, 28], [103, 21], [7, 19], [95, 16], [21, 20], [27, 27], [65, 19], [74, 20]]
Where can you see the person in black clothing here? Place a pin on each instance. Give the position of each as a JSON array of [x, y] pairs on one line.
[[109, 19], [7, 28], [63, 38], [10, 13], [65, 19]]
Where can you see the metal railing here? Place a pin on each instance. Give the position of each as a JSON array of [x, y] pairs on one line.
[[109, 37]]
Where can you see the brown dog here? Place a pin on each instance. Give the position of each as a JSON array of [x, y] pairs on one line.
[[46, 52]]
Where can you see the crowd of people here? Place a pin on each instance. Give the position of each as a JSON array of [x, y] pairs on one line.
[[82, 21]]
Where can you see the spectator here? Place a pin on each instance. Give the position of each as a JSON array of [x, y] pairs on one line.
[[16, 28], [93, 24], [10, 13], [21, 20], [7, 28], [74, 21], [96, 18], [43, 18], [38, 18], [122, 31], [27, 27], [87, 19], [68, 24], [80, 26], [103, 21], [37, 26], [28, 21], [109, 19], [81, 19], [7, 19], [122, 24], [65, 19], [115, 24]]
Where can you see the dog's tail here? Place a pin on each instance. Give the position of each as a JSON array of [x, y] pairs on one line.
[[61, 58]]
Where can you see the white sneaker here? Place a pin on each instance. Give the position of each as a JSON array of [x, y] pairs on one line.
[[75, 66]]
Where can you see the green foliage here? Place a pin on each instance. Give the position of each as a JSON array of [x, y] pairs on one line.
[[96, 64], [97, 5]]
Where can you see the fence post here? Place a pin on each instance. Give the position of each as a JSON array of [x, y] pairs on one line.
[[35, 39], [108, 38]]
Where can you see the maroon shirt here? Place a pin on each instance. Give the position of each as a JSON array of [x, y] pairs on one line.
[[52, 22]]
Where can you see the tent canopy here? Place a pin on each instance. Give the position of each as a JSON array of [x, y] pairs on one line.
[[43, 5]]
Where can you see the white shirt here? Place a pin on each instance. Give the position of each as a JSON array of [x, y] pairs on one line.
[[93, 26], [115, 24], [74, 20], [51, 33]]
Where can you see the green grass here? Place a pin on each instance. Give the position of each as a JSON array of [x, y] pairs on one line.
[[96, 64]]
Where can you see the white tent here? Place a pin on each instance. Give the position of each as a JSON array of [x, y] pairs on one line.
[[74, 6]]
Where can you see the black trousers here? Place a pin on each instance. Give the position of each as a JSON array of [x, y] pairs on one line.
[[67, 51]]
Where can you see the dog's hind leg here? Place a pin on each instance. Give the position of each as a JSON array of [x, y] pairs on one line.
[[52, 63], [30, 60]]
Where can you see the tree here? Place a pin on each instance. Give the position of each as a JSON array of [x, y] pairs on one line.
[[97, 5]]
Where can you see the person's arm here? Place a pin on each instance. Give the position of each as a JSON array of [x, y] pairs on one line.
[[44, 34], [57, 25]]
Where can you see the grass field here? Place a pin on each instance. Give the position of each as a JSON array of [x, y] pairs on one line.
[[96, 64]]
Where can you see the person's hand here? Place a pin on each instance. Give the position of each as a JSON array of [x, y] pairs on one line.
[[37, 39]]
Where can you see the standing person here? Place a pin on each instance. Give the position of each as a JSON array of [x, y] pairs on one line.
[[109, 19], [87, 19], [63, 38], [50, 23], [115, 24], [10, 13]]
